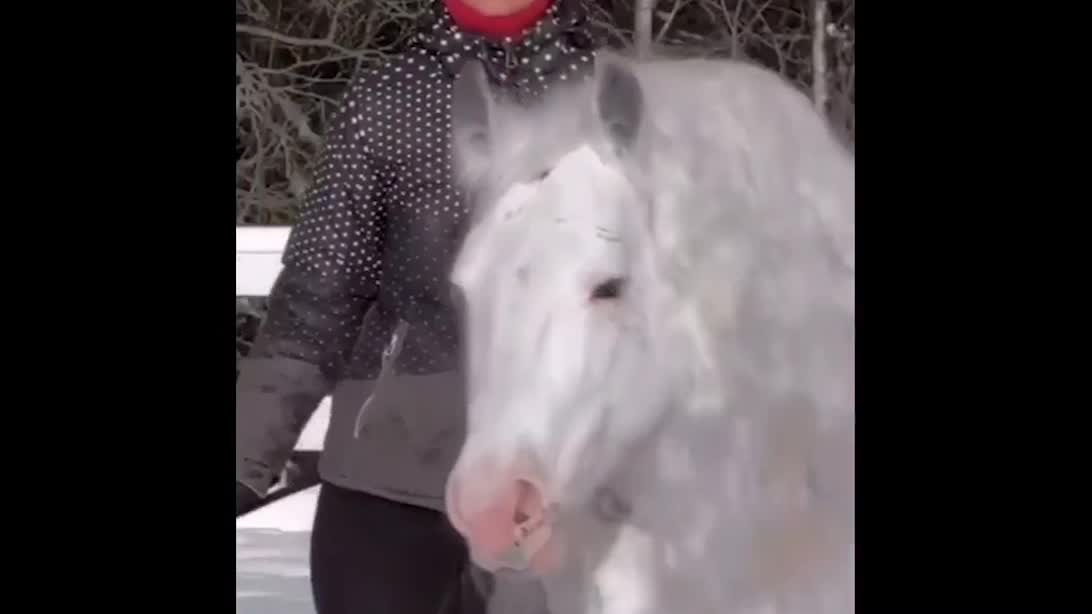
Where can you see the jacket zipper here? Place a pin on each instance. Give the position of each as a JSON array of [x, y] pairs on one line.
[[386, 371]]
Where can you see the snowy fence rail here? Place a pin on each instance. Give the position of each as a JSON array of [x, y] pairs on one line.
[[258, 252]]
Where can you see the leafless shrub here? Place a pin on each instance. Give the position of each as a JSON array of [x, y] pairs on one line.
[[779, 34], [292, 60]]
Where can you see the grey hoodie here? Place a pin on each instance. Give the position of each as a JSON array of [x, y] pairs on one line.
[[362, 309]]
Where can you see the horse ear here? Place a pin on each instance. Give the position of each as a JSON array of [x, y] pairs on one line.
[[620, 101], [471, 125], [471, 107]]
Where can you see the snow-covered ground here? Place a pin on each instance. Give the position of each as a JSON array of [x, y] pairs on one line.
[[271, 572], [272, 557]]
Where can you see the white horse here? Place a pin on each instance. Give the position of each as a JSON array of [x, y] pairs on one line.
[[658, 285]]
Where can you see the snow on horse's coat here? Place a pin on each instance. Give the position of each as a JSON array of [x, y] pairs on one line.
[[658, 290]]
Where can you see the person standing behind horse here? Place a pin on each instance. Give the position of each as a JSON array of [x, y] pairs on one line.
[[363, 311]]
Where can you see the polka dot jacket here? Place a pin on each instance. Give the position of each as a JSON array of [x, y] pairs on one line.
[[366, 264]]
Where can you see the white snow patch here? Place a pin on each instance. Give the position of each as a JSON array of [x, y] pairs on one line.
[[293, 514]]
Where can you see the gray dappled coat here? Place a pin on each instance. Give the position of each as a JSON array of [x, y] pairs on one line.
[[363, 307]]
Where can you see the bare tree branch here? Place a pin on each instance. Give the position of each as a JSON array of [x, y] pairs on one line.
[[642, 26], [668, 18], [819, 55]]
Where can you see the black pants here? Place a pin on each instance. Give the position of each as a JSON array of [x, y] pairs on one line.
[[374, 556]]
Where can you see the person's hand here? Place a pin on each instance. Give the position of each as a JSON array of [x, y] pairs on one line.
[[245, 499]]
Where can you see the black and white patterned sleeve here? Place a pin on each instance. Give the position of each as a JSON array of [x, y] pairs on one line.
[[332, 259]]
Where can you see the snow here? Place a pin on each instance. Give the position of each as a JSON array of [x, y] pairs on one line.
[[272, 572], [293, 514], [315, 432]]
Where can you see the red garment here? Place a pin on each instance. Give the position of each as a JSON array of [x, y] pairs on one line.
[[496, 26]]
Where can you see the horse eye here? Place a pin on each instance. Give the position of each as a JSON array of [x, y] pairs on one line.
[[543, 175], [610, 289]]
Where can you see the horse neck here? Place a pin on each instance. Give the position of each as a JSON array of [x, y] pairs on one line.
[[681, 464], [690, 489]]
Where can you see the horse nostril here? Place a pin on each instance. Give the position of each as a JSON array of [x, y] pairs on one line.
[[528, 502], [609, 290]]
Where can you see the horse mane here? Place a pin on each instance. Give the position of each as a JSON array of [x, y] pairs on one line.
[[751, 205], [752, 211]]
